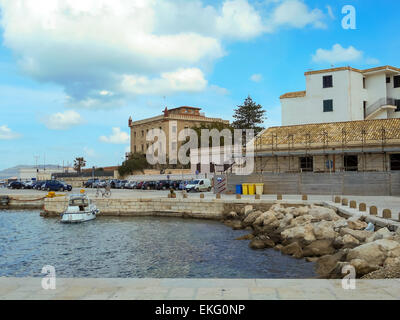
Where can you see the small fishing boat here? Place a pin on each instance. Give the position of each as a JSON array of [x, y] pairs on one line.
[[80, 209]]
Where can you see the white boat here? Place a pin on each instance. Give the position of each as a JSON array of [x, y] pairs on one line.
[[80, 209]]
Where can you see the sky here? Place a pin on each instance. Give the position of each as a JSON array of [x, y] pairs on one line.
[[73, 71]]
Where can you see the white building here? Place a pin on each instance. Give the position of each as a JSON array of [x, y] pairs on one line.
[[344, 94]]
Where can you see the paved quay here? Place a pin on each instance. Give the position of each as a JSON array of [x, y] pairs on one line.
[[197, 289]]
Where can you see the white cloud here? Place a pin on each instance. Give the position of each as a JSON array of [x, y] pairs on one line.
[[189, 80], [63, 121], [256, 77], [94, 48], [89, 152], [295, 13], [117, 137], [337, 54], [7, 134]]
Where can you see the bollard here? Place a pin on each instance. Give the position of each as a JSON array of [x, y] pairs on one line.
[[238, 196], [279, 197], [169, 196], [258, 197], [345, 202], [218, 196], [185, 195], [387, 214], [201, 195], [373, 211], [362, 207], [173, 195], [337, 199], [353, 204], [304, 197]]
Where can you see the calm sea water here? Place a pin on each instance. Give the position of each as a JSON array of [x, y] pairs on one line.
[[135, 247]]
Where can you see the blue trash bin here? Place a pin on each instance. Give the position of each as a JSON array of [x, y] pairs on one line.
[[238, 189]]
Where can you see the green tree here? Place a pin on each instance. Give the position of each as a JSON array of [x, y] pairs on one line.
[[214, 125], [250, 115], [136, 162], [79, 163]]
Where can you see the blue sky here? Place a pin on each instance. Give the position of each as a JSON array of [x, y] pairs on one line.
[[72, 72]]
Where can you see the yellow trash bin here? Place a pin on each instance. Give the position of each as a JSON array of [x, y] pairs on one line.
[[252, 189], [245, 188], [260, 188]]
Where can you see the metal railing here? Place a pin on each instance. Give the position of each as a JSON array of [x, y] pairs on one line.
[[378, 104]]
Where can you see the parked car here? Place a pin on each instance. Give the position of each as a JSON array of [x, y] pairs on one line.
[[174, 185], [183, 184], [139, 185], [199, 185], [130, 185], [15, 185], [67, 186], [89, 183], [99, 184], [54, 185], [149, 185], [119, 184], [28, 184], [162, 185], [38, 185]]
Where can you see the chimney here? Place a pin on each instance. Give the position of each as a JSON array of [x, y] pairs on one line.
[[166, 112], [130, 121]]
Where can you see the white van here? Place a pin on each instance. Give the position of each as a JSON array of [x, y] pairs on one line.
[[199, 185]]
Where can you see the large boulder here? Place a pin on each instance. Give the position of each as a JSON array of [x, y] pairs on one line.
[[323, 213], [392, 262], [247, 209], [230, 215], [356, 224], [349, 241], [375, 253], [249, 236], [286, 220], [382, 233], [362, 267], [251, 218], [293, 249], [261, 242], [301, 220], [319, 248], [304, 233], [337, 225], [265, 218], [234, 224], [324, 230], [360, 235], [325, 264]]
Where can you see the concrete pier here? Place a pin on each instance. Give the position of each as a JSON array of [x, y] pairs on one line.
[[198, 289]]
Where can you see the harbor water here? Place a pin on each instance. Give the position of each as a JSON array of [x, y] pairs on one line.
[[135, 247]]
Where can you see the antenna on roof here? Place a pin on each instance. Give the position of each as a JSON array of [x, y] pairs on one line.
[[164, 97]]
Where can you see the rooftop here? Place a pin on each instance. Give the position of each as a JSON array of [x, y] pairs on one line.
[[382, 68], [334, 132]]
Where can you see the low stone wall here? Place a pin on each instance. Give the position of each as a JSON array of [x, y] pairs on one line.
[[188, 208], [22, 202]]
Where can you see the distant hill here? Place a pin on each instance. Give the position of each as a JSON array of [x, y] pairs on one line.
[[13, 172]]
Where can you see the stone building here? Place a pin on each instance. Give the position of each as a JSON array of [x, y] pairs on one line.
[[172, 121], [365, 146]]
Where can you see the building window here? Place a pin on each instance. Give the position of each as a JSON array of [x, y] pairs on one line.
[[387, 79], [350, 163], [134, 134], [327, 81], [396, 81], [397, 104], [328, 105], [173, 146], [306, 163], [142, 148], [134, 149], [395, 162], [142, 133], [173, 129], [364, 85]]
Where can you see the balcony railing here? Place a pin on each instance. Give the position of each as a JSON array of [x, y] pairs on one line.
[[379, 104]]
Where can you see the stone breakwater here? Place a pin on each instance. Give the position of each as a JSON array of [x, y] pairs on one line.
[[320, 235]]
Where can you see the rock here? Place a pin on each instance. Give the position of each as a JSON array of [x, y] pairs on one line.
[[319, 248], [246, 237], [301, 220], [257, 244], [293, 249], [338, 242], [278, 247], [311, 259], [326, 263], [286, 220], [337, 225], [337, 271], [247, 209], [301, 211], [323, 213], [360, 235], [362, 267], [356, 224], [236, 224], [375, 253], [230, 215], [391, 262], [277, 208], [251, 218], [324, 230], [265, 218], [349, 241], [383, 233], [303, 232]]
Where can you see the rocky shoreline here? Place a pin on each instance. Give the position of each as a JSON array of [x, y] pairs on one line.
[[320, 235]]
